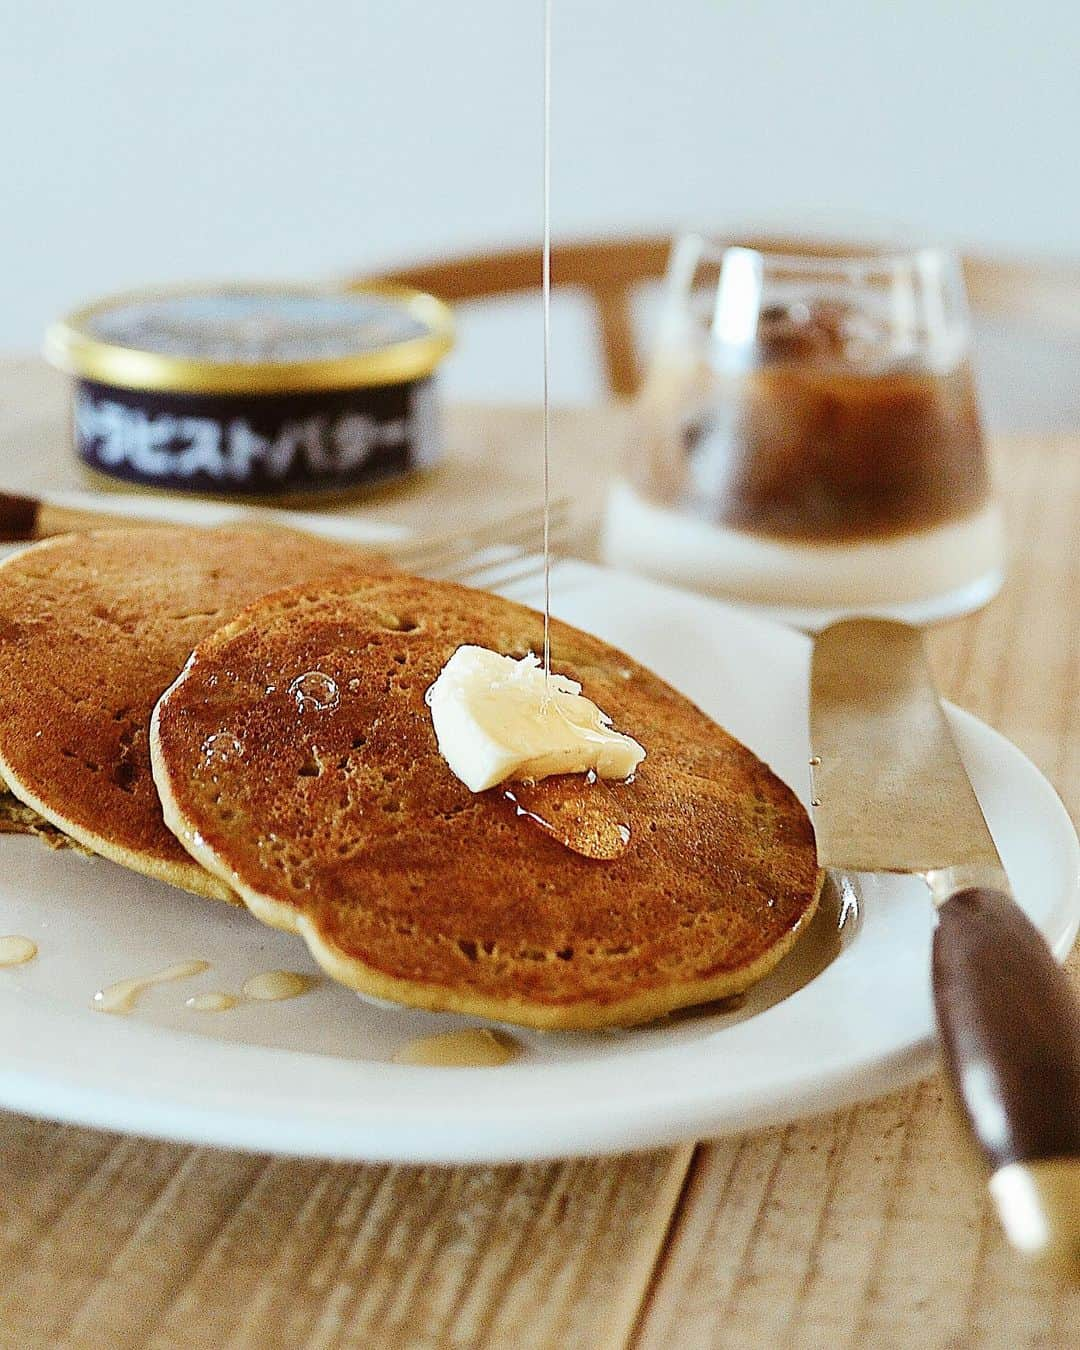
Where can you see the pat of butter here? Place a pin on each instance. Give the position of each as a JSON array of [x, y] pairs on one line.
[[495, 720]]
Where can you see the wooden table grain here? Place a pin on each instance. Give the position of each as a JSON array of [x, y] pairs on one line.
[[865, 1228]]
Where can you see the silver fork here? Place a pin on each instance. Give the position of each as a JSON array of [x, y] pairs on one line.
[[498, 554]]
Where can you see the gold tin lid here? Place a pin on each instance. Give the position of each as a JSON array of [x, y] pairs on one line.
[[254, 339]]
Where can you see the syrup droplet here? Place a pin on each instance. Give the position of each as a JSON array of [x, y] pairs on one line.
[[122, 996], [16, 950], [272, 985], [585, 816], [221, 748], [473, 1048], [211, 1002], [815, 760], [316, 691], [701, 1011]]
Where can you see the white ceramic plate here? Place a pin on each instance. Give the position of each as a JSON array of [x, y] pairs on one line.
[[837, 1021]]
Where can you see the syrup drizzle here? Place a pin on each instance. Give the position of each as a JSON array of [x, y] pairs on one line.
[[268, 987], [588, 819], [122, 996], [273, 985], [211, 1002], [546, 289], [16, 950]]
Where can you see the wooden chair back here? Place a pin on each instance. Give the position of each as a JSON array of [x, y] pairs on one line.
[[610, 270]]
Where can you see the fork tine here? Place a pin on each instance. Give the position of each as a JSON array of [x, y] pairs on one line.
[[499, 577], [519, 529], [498, 556], [497, 572], [463, 551]]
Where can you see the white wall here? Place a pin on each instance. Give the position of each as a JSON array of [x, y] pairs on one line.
[[149, 142]]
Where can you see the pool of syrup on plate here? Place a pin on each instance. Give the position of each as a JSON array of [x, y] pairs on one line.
[[16, 950]]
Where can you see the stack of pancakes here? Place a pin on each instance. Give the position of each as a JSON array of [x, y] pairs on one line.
[[241, 713]]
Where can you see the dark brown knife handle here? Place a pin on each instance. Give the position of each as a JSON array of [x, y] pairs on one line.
[[1010, 1029]]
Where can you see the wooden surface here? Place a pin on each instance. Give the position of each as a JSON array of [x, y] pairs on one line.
[[867, 1228]]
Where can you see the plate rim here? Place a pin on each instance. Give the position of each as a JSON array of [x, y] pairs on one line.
[[654, 1121]]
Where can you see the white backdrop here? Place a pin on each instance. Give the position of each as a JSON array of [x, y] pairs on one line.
[[258, 138]]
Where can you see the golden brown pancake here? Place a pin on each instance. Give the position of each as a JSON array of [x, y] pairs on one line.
[[324, 801], [18, 818], [92, 628]]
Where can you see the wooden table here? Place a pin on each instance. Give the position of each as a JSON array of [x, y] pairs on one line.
[[867, 1228]]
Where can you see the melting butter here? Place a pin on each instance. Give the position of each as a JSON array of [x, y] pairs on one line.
[[272, 985], [497, 718], [473, 1048], [16, 950], [122, 996]]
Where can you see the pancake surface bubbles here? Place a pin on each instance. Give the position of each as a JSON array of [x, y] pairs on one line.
[[92, 628], [295, 755]]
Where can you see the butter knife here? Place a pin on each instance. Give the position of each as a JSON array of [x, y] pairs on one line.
[[890, 794]]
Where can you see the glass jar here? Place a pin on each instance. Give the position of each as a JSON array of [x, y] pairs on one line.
[[808, 437]]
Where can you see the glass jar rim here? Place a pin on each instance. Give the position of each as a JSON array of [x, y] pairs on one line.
[[814, 252]]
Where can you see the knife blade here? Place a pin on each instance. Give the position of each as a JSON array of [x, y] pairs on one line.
[[891, 794]]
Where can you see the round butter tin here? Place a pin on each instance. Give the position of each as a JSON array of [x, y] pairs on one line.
[[268, 392]]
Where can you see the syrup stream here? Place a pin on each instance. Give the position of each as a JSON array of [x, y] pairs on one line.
[[546, 287]]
